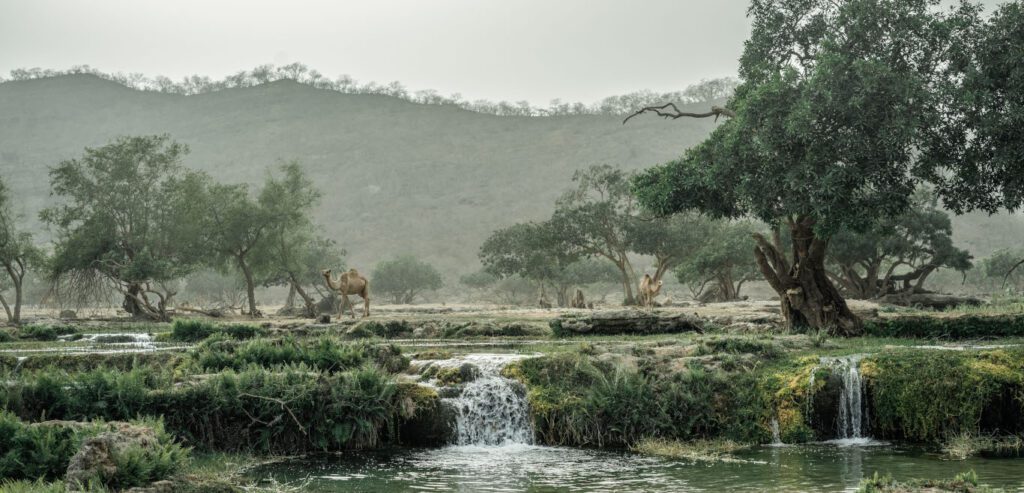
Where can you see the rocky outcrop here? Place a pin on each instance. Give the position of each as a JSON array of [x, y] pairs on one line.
[[97, 457]]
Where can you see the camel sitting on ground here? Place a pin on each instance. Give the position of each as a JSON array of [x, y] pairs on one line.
[[649, 290], [350, 283]]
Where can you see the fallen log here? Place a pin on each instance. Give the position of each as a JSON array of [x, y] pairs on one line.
[[624, 322]]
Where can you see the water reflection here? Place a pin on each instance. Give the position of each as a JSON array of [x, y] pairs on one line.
[[820, 467]]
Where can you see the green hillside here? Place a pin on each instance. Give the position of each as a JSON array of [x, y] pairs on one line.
[[398, 177]]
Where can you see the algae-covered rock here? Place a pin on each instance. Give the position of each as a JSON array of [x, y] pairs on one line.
[[430, 422]]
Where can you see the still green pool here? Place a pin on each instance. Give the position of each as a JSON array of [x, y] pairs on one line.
[[817, 468]]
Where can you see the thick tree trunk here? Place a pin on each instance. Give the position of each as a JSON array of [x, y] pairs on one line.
[[18, 297], [250, 287], [289, 302], [307, 300], [628, 280], [7, 309], [16, 271], [808, 297], [131, 301]]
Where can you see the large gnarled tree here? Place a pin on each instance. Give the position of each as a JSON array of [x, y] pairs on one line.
[[830, 131], [896, 255], [128, 218]]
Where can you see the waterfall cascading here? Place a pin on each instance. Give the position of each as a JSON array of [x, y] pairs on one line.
[[492, 412], [852, 414], [776, 437], [490, 409]]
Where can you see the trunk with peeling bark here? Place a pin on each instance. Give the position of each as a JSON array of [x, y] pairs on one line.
[[138, 304], [16, 272], [131, 303], [808, 297]]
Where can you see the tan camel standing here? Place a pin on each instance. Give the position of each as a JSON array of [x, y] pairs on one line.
[[649, 290], [350, 283]]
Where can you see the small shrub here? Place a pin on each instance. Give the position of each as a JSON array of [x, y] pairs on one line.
[[194, 330], [962, 327], [45, 332], [697, 450]]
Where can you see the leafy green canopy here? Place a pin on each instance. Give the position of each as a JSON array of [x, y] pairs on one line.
[[979, 149], [128, 215], [405, 277], [719, 267], [897, 254], [838, 104]]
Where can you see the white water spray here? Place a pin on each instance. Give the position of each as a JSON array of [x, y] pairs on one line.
[[776, 437], [852, 416], [491, 409]]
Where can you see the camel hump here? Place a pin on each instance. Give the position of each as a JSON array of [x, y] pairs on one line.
[[353, 271]]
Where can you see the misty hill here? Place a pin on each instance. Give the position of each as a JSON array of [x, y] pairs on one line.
[[398, 177]]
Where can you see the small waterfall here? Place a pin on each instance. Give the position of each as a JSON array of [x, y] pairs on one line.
[[852, 416], [17, 366], [776, 437], [490, 409]]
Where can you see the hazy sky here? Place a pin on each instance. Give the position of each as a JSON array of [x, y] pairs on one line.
[[577, 50], [511, 49]]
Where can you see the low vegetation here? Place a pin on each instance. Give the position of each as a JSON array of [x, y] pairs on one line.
[[37, 451], [697, 450], [965, 482]]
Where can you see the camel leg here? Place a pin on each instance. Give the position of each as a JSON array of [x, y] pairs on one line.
[[346, 302], [366, 306]]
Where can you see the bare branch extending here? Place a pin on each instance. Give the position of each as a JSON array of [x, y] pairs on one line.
[[671, 111]]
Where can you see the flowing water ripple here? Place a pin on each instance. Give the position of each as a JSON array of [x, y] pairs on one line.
[[818, 468]]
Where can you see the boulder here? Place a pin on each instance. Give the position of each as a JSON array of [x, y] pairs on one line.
[[68, 314], [96, 457]]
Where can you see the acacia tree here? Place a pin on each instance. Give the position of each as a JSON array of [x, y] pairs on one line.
[[596, 219], [539, 253], [670, 240], [127, 221], [831, 129], [718, 268], [241, 228], [998, 269], [237, 227], [404, 278], [17, 254], [294, 255], [896, 255]]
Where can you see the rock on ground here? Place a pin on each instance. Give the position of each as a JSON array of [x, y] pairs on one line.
[[96, 457]]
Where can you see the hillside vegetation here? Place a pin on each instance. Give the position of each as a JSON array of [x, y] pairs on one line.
[[398, 177]]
